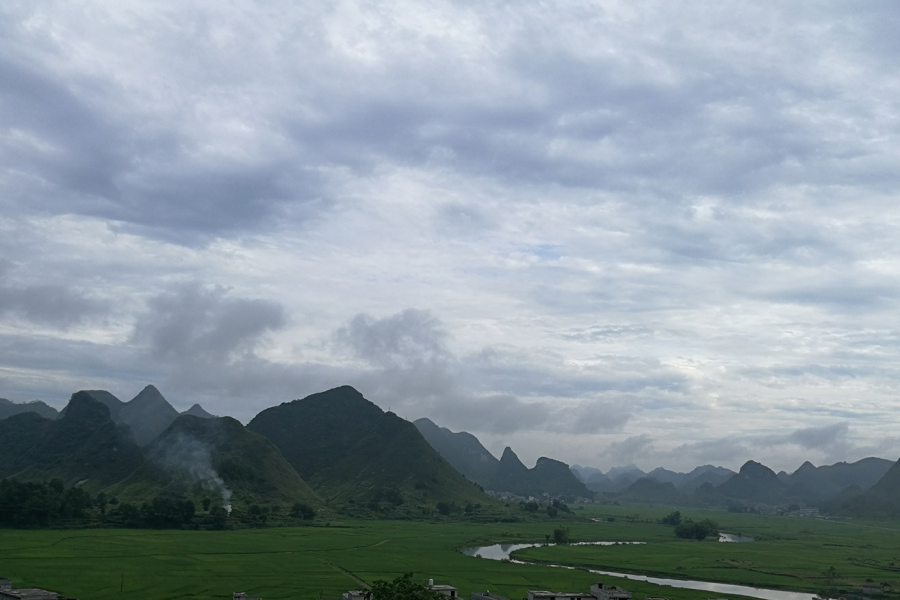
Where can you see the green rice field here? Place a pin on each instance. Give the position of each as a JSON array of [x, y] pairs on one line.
[[314, 562]]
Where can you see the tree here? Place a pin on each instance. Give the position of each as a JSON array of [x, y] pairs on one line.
[[302, 511], [206, 502], [219, 517], [561, 535], [673, 518], [102, 501], [402, 588], [444, 508], [691, 530]]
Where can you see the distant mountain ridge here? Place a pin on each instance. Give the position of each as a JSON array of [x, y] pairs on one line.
[[147, 415], [472, 459], [462, 450], [9, 408], [839, 488]]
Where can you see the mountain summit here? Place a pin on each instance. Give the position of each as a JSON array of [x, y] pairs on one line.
[[356, 455]]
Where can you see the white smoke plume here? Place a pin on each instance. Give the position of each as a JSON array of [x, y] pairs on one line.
[[192, 456]]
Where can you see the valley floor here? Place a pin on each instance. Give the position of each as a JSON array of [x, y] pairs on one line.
[[314, 562]]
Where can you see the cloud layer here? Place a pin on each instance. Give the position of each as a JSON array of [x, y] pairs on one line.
[[604, 232]]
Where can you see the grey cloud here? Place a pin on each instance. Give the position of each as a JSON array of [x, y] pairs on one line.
[[718, 451], [415, 370], [820, 437], [826, 438], [592, 416], [47, 304], [197, 323], [528, 375], [402, 340], [651, 116], [630, 449], [501, 414], [98, 164], [608, 332]]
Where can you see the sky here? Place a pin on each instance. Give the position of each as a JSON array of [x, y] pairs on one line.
[[660, 233]]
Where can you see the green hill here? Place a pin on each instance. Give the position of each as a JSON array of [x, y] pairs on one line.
[[83, 445], [882, 500], [220, 459], [362, 459], [756, 483]]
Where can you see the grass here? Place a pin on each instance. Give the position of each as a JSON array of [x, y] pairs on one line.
[[789, 553], [312, 562]]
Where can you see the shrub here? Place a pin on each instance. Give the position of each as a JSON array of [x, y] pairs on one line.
[[561, 535], [673, 518], [696, 530]]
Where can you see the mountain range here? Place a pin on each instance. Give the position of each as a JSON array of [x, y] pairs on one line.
[[330, 451], [336, 450], [853, 489]]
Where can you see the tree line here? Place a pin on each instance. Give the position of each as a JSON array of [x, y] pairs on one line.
[[28, 504]]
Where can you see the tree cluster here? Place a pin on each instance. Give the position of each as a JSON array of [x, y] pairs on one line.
[[29, 504], [696, 530], [673, 518]]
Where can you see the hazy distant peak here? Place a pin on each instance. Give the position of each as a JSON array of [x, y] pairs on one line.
[[148, 414], [197, 411], [617, 471], [546, 462], [149, 394], [510, 456]]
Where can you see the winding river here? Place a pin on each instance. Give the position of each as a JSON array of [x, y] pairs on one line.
[[503, 551]]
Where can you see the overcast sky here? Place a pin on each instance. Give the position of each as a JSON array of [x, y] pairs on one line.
[[608, 232]]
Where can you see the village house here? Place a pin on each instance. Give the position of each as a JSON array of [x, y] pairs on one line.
[[242, 596], [447, 590], [601, 591], [486, 595]]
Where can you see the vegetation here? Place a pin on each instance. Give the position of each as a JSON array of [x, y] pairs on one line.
[[29, 504], [561, 535], [700, 530], [673, 518], [402, 588], [318, 561]]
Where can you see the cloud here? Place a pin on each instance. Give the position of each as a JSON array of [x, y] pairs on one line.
[[58, 306], [200, 324], [630, 449], [815, 438], [404, 340], [414, 368]]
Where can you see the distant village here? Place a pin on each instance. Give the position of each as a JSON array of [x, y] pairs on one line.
[[598, 591]]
